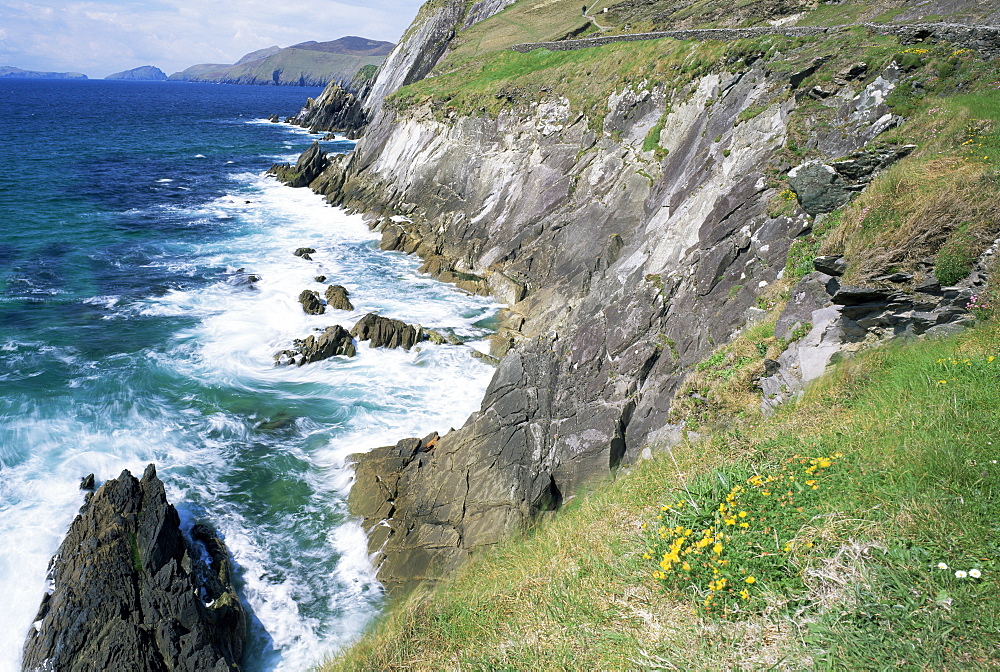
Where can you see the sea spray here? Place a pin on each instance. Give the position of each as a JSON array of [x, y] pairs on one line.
[[127, 336]]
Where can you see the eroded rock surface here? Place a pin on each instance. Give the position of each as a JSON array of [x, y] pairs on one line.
[[311, 303], [331, 342], [337, 298], [385, 332], [131, 593]]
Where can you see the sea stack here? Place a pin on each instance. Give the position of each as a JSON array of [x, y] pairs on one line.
[[129, 592]]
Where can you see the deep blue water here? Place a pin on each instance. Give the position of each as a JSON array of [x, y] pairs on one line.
[[126, 212]]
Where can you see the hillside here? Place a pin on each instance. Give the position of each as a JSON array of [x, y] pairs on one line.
[[145, 73], [305, 64], [692, 234], [10, 72]]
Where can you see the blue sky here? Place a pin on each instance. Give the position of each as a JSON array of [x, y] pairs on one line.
[[101, 37]]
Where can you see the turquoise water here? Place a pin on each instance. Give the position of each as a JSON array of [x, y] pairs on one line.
[[126, 337]]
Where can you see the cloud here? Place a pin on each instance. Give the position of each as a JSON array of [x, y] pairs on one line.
[[100, 37]]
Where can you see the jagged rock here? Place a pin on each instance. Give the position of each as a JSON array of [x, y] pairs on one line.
[[274, 119], [385, 332], [818, 187], [852, 72], [131, 594], [311, 163], [320, 278], [861, 166], [337, 297], [831, 264], [808, 295], [311, 303], [305, 253], [855, 296], [336, 110], [331, 342], [87, 483]]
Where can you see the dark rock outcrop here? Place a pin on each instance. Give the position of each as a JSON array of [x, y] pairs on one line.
[[310, 164], [331, 342], [337, 298], [130, 593], [311, 303], [304, 252], [385, 332], [336, 110], [818, 187]]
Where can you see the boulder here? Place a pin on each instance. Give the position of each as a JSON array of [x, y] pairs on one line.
[[129, 592], [831, 264], [818, 187], [385, 332], [311, 303], [305, 253], [332, 341], [337, 297]]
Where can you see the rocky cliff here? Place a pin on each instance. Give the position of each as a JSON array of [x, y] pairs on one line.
[[129, 592], [420, 49], [629, 239]]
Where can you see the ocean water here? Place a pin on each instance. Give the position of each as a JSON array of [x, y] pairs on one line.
[[126, 213]]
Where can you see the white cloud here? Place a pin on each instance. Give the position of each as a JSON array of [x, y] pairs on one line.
[[99, 37]]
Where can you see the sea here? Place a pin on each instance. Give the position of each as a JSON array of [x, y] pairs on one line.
[[130, 217]]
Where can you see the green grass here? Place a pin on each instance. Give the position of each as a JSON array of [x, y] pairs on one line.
[[859, 586]]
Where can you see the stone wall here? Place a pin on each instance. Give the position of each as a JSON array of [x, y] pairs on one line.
[[985, 40]]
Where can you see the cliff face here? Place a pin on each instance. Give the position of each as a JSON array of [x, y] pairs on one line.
[[419, 50], [624, 263]]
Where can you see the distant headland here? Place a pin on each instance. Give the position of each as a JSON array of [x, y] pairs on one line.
[[304, 64], [10, 72], [144, 73]]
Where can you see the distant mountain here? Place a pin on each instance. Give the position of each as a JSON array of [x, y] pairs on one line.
[[145, 73], [10, 72], [304, 64]]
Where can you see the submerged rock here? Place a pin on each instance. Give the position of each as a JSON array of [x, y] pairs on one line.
[[337, 297], [130, 593]]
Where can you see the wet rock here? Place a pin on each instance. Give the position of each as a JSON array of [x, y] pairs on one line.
[[305, 253], [274, 119], [87, 483], [320, 278], [311, 303], [331, 342], [130, 593], [385, 332], [337, 297]]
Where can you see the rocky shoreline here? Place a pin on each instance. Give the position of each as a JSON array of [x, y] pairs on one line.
[[621, 267]]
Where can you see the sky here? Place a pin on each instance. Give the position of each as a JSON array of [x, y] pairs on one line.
[[101, 37]]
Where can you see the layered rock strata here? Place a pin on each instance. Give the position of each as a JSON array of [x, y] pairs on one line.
[[622, 265], [129, 592]]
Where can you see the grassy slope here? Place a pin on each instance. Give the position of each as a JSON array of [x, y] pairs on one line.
[[917, 485]]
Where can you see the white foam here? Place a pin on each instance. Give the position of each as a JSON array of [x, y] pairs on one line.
[[198, 443]]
